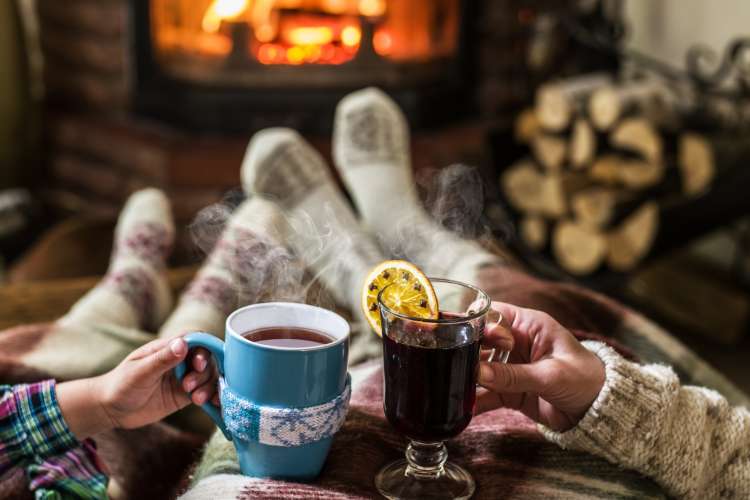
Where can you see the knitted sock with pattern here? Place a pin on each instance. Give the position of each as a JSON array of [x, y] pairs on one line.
[[280, 165], [248, 264], [371, 150], [106, 324], [134, 293]]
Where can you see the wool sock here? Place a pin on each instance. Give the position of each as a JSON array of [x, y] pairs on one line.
[[282, 166], [371, 150], [134, 293], [248, 264], [104, 326]]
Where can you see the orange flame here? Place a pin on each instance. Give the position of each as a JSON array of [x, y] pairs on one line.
[[283, 36], [309, 35], [221, 10]]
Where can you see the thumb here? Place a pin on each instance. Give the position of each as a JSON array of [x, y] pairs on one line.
[[164, 359], [511, 378]]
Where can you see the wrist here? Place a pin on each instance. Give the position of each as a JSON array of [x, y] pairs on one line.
[[83, 406]]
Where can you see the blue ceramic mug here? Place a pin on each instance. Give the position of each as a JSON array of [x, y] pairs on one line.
[[278, 377]]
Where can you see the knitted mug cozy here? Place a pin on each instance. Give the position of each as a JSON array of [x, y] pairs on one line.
[[287, 427]]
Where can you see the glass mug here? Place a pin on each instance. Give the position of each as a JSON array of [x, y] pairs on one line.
[[430, 369]]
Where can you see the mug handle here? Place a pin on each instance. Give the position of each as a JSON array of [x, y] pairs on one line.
[[215, 346]]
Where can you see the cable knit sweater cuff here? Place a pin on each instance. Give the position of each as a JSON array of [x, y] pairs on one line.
[[623, 422]]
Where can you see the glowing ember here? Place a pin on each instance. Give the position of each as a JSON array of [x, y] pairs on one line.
[[383, 42], [290, 32], [309, 35], [294, 32], [350, 36]]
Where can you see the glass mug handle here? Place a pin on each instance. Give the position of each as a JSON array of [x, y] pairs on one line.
[[502, 358], [216, 347]]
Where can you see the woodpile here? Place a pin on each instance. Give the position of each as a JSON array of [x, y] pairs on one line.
[[604, 159]]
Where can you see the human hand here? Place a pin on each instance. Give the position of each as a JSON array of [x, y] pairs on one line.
[[141, 390], [550, 376]]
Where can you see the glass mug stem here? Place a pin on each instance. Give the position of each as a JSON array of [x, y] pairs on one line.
[[426, 460]]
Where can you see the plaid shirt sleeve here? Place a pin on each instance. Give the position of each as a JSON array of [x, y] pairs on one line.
[[34, 435]]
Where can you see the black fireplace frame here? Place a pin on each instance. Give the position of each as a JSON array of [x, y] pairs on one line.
[[225, 109]]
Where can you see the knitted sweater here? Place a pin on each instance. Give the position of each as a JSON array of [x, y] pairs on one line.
[[688, 439]]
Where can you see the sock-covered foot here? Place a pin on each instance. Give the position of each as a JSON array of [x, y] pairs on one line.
[[105, 325], [248, 264], [134, 293], [280, 165], [371, 150]]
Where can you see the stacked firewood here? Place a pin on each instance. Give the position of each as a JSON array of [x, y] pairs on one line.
[[605, 157]]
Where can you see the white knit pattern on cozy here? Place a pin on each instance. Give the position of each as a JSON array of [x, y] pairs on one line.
[[689, 439], [282, 426]]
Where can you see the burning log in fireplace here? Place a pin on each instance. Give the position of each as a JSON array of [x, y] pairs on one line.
[[241, 65], [294, 32]]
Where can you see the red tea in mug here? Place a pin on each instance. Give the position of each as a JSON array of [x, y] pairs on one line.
[[288, 337]]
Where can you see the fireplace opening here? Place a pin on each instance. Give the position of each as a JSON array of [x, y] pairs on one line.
[[246, 64]]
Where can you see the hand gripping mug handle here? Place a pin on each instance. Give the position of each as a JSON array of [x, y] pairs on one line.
[[216, 347]]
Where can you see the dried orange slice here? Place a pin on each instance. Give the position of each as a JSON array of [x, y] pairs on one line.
[[411, 292]]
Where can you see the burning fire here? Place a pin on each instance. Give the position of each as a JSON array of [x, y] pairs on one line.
[[301, 31], [221, 10]]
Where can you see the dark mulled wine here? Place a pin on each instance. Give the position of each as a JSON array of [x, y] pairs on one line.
[[288, 337], [430, 377]]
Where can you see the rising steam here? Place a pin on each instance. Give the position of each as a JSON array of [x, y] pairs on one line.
[[267, 270], [454, 197]]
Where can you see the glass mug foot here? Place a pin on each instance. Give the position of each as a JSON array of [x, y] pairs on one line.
[[425, 473]]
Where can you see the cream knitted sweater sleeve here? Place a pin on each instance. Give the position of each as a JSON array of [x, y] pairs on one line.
[[688, 439]]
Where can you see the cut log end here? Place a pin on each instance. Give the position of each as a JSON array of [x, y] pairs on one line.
[[696, 162], [577, 248], [631, 241], [526, 127], [606, 170], [556, 102], [648, 97], [604, 108], [533, 231], [638, 174], [523, 187], [582, 144], [529, 191], [553, 110], [639, 136], [594, 207], [612, 170], [550, 151]]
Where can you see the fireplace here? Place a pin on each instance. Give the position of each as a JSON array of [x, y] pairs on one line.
[[239, 65], [166, 92]]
